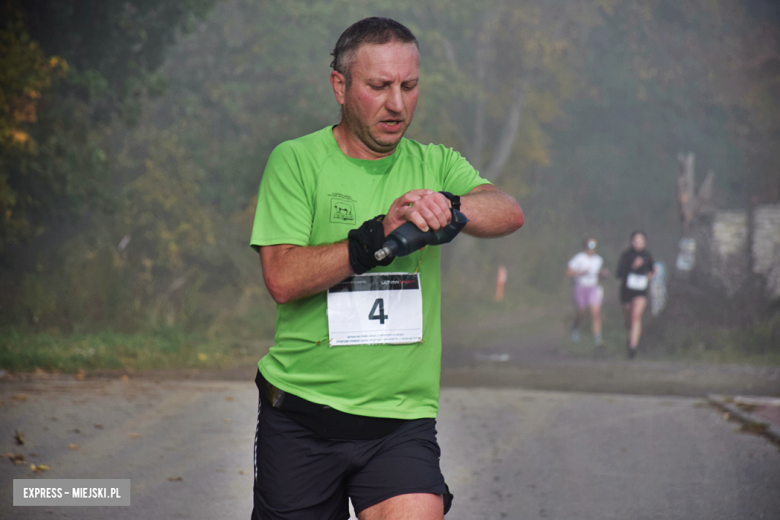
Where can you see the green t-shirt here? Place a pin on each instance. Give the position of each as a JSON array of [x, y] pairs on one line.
[[312, 194]]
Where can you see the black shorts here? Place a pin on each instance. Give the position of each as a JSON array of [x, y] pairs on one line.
[[627, 295], [302, 476]]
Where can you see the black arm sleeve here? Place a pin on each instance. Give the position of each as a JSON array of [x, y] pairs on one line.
[[623, 265], [649, 262]]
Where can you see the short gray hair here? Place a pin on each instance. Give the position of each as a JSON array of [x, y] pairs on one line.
[[374, 30]]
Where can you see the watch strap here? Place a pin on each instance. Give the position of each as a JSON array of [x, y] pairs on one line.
[[454, 199]]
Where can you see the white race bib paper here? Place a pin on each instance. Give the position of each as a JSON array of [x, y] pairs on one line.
[[637, 282], [377, 308]]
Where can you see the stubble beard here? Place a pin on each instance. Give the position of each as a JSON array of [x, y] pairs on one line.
[[364, 134]]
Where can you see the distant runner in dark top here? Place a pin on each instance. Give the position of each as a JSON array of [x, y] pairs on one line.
[[635, 271]]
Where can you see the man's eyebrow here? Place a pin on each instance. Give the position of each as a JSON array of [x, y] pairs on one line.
[[385, 81]]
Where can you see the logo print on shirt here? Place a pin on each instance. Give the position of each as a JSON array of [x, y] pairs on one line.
[[342, 211]]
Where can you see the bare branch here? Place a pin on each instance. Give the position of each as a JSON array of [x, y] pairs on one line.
[[705, 192], [449, 52], [485, 44], [507, 140]]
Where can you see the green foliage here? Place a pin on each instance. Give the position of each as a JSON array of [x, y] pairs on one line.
[[107, 350], [114, 47], [54, 154], [26, 75]]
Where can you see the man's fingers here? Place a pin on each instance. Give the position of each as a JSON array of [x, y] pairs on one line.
[[417, 220], [430, 212], [425, 208], [429, 217], [413, 196]]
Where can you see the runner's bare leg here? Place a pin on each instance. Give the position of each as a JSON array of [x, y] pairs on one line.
[[638, 305], [413, 506]]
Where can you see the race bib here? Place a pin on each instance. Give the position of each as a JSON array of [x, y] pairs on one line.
[[380, 308], [637, 282]]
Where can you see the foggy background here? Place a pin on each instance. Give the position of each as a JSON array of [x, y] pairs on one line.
[[133, 137]]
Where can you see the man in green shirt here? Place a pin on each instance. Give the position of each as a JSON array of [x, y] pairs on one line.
[[349, 391]]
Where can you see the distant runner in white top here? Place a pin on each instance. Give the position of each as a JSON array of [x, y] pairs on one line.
[[586, 269]]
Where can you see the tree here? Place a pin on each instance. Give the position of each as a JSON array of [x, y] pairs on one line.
[[54, 158], [27, 75]]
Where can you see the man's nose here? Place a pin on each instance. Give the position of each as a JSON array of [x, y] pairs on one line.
[[395, 100]]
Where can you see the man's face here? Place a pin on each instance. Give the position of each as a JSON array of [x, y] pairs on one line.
[[379, 104]]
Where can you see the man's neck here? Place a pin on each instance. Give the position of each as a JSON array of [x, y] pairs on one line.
[[353, 147]]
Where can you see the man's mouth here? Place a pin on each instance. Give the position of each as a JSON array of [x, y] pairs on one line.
[[392, 124]]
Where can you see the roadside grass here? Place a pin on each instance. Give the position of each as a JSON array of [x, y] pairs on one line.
[[668, 340], [481, 321], [474, 322], [26, 351]]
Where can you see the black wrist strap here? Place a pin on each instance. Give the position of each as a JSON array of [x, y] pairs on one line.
[[364, 242], [454, 199]]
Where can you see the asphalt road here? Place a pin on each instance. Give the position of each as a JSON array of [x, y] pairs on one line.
[[507, 452]]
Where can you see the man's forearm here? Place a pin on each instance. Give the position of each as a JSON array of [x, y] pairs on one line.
[[292, 272], [491, 212]]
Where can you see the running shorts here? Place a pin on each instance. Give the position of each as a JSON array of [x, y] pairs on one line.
[[300, 475], [588, 296]]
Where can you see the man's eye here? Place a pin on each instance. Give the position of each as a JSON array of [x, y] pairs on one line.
[[377, 87], [410, 87]]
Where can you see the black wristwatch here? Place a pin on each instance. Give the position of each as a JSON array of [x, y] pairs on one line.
[[454, 199]]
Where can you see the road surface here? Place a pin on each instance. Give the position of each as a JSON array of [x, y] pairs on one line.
[[507, 452]]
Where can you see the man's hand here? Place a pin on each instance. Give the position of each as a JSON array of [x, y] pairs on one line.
[[427, 209]]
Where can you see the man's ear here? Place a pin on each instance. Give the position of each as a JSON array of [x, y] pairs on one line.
[[339, 84]]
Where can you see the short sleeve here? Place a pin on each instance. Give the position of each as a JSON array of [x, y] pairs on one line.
[[284, 207], [458, 175], [573, 262]]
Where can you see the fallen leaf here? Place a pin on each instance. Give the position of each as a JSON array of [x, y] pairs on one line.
[[15, 458], [98, 426], [202, 356], [229, 398], [19, 438], [242, 472], [726, 415], [125, 378], [227, 420], [73, 446], [38, 468], [176, 479], [39, 371], [134, 435], [81, 375], [19, 397]]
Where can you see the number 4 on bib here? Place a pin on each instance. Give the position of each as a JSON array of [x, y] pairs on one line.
[[380, 305], [359, 309]]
